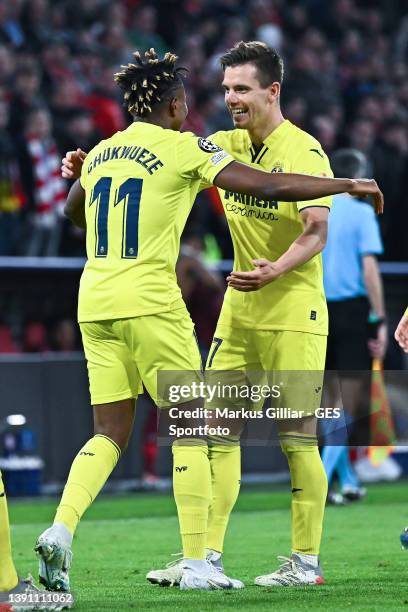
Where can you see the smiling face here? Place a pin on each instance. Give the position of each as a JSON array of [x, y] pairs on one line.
[[249, 103]]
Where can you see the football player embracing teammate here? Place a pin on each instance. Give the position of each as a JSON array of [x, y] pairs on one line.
[[274, 313]]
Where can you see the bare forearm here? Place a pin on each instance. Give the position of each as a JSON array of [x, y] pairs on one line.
[[300, 187], [374, 286], [310, 242], [300, 251], [241, 178], [280, 186]]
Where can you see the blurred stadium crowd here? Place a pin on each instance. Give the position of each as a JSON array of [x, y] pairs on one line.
[[346, 82]]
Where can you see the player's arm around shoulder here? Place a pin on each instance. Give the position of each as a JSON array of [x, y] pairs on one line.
[[72, 163]]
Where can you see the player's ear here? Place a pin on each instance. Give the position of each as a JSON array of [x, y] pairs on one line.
[[173, 107], [274, 91]]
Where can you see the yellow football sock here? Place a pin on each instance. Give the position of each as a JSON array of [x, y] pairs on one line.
[[8, 574], [225, 462], [192, 493], [309, 490], [90, 470]]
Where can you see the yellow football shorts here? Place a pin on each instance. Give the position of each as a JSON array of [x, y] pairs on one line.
[[292, 360], [124, 354]]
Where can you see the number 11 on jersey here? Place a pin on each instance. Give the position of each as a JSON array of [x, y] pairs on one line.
[[129, 193]]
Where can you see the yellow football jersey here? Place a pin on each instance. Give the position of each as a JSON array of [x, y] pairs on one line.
[[265, 229], [140, 185]]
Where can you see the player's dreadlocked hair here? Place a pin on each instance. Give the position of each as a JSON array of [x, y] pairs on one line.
[[149, 82]]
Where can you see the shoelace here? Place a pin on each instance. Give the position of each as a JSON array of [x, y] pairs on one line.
[[212, 569], [180, 558], [175, 561], [289, 567], [29, 584]]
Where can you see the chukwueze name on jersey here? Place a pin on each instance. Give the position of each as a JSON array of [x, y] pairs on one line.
[[140, 185], [135, 153]]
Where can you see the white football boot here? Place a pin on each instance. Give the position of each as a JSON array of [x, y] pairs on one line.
[[53, 549], [204, 576], [292, 572], [215, 558], [26, 597], [171, 575]]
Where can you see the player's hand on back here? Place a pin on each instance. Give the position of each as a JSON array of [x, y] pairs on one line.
[[265, 272], [401, 333], [368, 187], [72, 164]]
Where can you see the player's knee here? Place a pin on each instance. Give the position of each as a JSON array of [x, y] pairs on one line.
[[115, 432], [115, 421]]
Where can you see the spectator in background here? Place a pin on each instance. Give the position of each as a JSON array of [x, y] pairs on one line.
[[324, 129], [354, 293], [7, 70], [65, 100], [65, 336], [143, 31], [35, 338], [362, 136], [104, 105], [10, 28], [26, 95], [45, 189], [78, 131], [390, 167], [57, 65], [12, 198], [36, 22], [346, 70], [7, 343], [296, 111]]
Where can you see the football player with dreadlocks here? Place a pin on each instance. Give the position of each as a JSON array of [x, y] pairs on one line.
[[134, 196]]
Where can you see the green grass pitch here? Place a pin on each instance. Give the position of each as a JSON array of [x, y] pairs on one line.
[[121, 538]]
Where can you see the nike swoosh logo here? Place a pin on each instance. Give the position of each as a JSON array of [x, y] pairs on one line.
[[318, 152], [296, 490]]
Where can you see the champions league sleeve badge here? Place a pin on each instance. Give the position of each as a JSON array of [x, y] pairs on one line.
[[208, 146]]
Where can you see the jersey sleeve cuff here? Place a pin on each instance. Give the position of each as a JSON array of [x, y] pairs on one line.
[[315, 206], [221, 169]]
